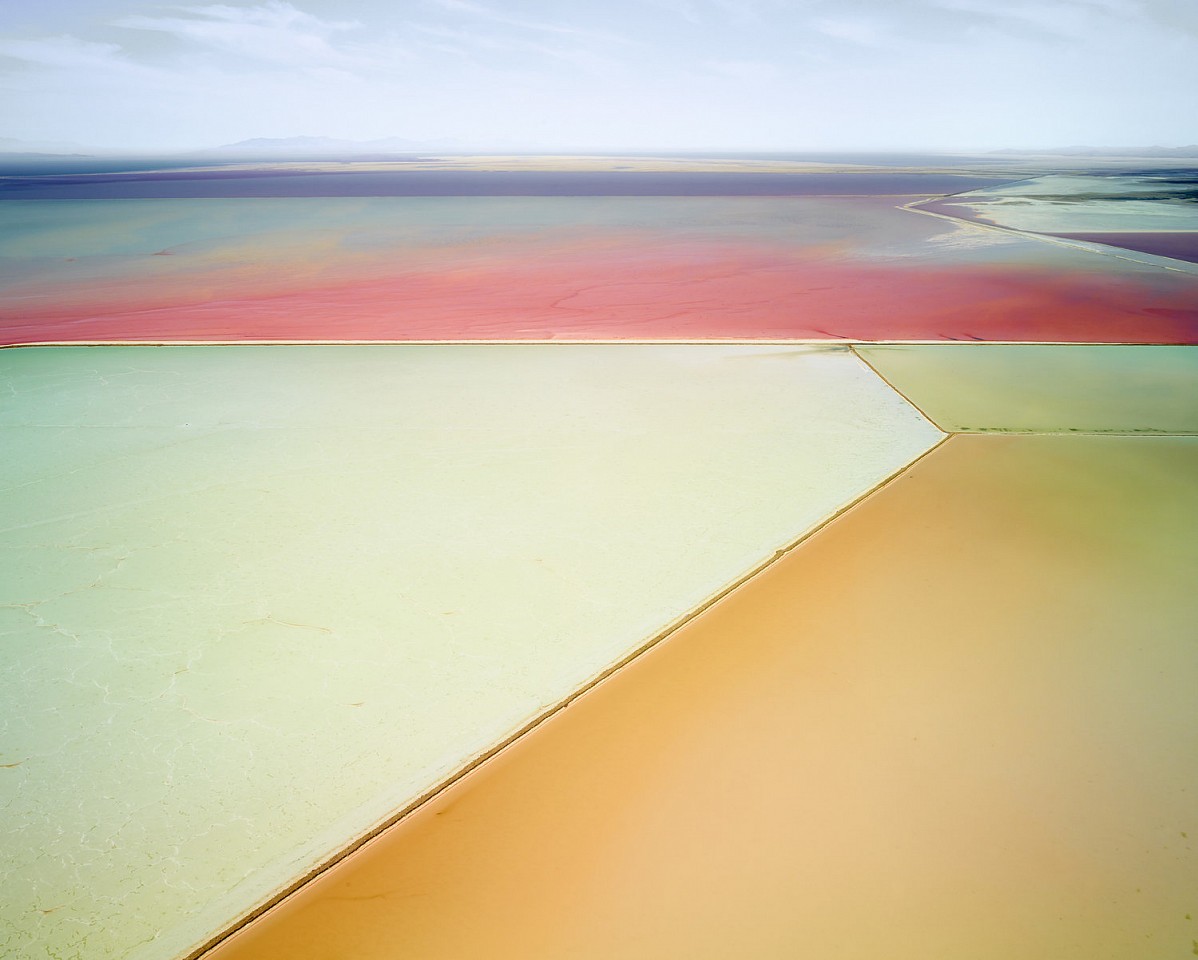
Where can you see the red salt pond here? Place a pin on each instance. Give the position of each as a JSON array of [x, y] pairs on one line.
[[460, 268], [641, 294]]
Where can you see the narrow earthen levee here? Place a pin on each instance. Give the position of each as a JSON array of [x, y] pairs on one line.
[[958, 721]]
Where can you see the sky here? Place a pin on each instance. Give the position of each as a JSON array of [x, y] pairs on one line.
[[604, 75]]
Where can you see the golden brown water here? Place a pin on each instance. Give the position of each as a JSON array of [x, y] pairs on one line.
[[958, 722]]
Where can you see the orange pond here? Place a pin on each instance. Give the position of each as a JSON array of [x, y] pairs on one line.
[[957, 722]]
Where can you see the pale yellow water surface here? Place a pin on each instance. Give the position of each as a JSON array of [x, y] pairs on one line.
[[255, 599], [1046, 388]]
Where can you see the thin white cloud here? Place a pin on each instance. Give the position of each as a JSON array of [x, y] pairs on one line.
[[490, 14], [860, 30], [271, 13], [686, 9], [63, 51], [473, 45], [880, 24], [743, 13], [1042, 19], [274, 32], [696, 72], [1179, 15], [462, 6]]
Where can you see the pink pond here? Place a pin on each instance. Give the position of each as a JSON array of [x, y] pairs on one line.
[[558, 267]]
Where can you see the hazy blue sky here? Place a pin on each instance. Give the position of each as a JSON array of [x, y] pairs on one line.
[[605, 74]]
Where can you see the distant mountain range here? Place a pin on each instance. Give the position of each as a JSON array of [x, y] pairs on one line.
[[47, 148], [312, 148], [1190, 151], [302, 147], [331, 147]]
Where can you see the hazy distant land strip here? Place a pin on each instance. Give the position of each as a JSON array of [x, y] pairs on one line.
[[1178, 245], [224, 183]]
